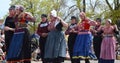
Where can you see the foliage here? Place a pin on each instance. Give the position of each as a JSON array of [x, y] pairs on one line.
[[94, 8], [114, 10], [38, 7]]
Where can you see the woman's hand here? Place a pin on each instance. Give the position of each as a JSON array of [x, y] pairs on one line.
[[44, 34], [8, 29], [63, 22]]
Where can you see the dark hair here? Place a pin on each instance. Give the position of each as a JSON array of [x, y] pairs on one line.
[[12, 7], [43, 15], [73, 17], [98, 19]]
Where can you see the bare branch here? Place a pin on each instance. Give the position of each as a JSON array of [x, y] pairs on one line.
[[96, 2], [70, 12], [109, 5], [91, 4], [84, 5]]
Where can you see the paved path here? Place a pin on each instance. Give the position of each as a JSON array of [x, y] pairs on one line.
[[67, 61]]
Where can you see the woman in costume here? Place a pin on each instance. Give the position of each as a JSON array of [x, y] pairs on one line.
[[20, 47], [55, 47], [43, 32], [82, 47], [97, 39], [9, 27], [108, 46], [72, 32]]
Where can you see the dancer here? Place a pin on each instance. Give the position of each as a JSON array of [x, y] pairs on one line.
[[20, 47], [55, 47], [43, 32], [97, 39], [9, 27], [72, 32], [82, 47], [108, 46]]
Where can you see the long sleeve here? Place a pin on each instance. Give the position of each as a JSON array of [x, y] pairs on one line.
[[39, 31], [59, 26], [42, 28], [67, 31], [116, 31]]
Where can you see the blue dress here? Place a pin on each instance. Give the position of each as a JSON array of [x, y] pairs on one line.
[[82, 47], [55, 47]]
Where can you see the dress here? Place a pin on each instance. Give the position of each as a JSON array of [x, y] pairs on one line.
[[20, 47], [82, 47], [108, 46], [55, 47]]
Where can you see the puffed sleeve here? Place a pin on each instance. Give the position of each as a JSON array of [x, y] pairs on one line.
[[59, 26]]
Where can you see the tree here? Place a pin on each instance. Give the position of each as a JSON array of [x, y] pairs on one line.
[[114, 14], [114, 8], [84, 5], [38, 7]]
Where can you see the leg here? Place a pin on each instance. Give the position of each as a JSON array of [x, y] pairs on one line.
[[95, 46], [87, 61], [42, 42], [76, 61]]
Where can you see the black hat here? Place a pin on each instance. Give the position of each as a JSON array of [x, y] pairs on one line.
[[73, 17], [98, 19], [12, 7], [43, 15]]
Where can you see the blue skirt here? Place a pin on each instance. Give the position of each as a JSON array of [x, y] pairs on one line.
[[15, 46], [55, 46], [82, 47]]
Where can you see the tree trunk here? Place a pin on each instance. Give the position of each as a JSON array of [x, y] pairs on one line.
[[84, 6]]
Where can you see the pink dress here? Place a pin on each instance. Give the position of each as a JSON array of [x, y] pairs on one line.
[[108, 45]]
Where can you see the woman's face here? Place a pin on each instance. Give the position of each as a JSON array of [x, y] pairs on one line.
[[107, 22], [43, 19], [52, 18], [73, 21], [82, 17], [18, 11], [98, 23], [12, 12]]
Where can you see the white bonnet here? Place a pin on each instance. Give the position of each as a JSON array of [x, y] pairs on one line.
[[54, 13], [109, 20]]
